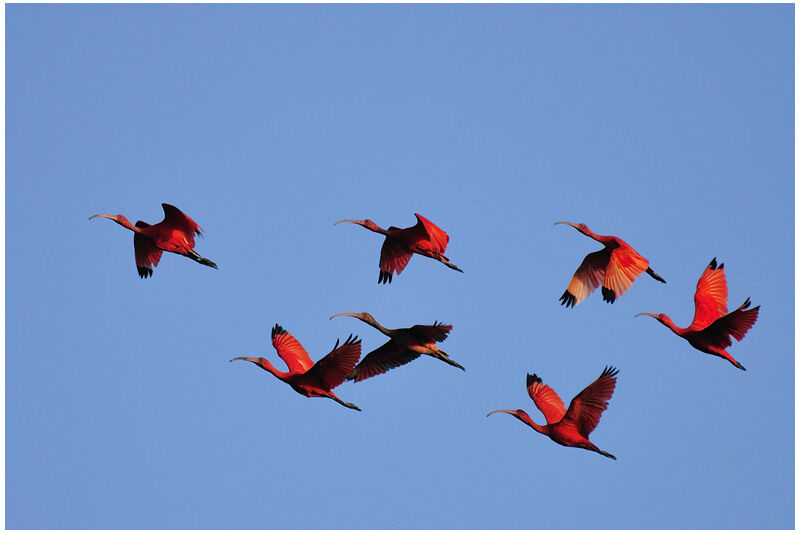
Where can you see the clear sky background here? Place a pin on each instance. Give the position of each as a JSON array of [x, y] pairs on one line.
[[671, 127]]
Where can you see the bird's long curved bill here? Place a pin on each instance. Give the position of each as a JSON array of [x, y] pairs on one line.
[[351, 221], [646, 314], [345, 314], [243, 358], [502, 411], [567, 223], [104, 216]]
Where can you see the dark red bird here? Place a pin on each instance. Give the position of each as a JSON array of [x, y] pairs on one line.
[[424, 238], [405, 345], [615, 266], [304, 376], [712, 327], [173, 234], [569, 427]]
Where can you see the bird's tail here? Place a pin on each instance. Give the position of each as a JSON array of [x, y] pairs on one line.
[[654, 275], [191, 254]]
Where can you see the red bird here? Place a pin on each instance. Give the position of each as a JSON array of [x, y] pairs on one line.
[[712, 327], [616, 266], [405, 345], [425, 238], [304, 376], [173, 234], [570, 427]]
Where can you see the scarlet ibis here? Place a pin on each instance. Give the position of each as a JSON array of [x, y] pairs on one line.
[[304, 376], [712, 327], [424, 238], [616, 266], [405, 345], [569, 427], [173, 234]]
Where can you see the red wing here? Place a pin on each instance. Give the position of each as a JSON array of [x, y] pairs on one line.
[[587, 278], [334, 367], [435, 235], [736, 323], [146, 253], [546, 399], [394, 256], [175, 218], [435, 333], [381, 360], [711, 296], [290, 350], [624, 266], [587, 407]]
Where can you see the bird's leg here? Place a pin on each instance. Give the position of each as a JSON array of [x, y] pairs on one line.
[[332, 396], [444, 260], [191, 254], [441, 356], [654, 275]]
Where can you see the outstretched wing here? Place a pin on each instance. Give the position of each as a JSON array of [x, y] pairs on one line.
[[711, 296], [381, 360], [290, 350], [736, 323], [624, 266], [546, 399], [334, 367], [587, 278], [394, 257], [435, 333], [177, 219], [587, 407], [435, 235], [147, 254]]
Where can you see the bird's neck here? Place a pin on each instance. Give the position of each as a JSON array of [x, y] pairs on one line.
[[374, 323], [266, 365], [667, 321], [544, 430]]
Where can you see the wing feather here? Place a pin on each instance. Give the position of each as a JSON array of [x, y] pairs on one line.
[[146, 253], [426, 334], [290, 350], [587, 407], [177, 219], [711, 296], [587, 278], [435, 235], [334, 367], [624, 266], [381, 360], [546, 399], [394, 256]]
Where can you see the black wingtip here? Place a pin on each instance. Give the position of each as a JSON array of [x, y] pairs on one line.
[[609, 295], [384, 277], [567, 299], [277, 330], [610, 371], [713, 264], [144, 272], [532, 378]]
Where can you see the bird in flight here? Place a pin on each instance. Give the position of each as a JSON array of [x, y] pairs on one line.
[[615, 267], [569, 427], [173, 234], [424, 238], [313, 380], [712, 326], [404, 345]]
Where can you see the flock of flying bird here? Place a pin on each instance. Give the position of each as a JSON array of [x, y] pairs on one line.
[[614, 267]]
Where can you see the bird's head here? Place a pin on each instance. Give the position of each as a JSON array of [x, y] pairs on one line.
[[583, 228], [367, 223], [364, 317], [119, 219]]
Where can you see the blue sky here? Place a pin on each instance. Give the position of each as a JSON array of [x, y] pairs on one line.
[[668, 126]]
